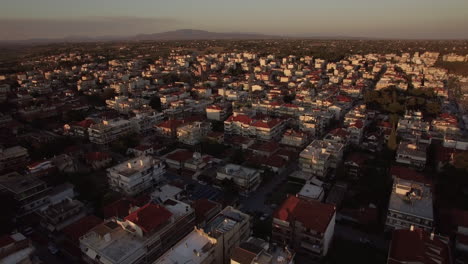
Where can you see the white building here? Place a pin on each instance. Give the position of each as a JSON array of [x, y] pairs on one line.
[[245, 178], [196, 248], [136, 175], [410, 205], [109, 131], [321, 156]]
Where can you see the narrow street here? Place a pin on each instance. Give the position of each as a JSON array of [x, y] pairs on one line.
[[256, 201]]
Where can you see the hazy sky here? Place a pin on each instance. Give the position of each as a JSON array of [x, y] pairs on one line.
[[22, 19]]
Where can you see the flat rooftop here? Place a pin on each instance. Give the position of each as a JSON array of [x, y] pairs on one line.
[[191, 249], [109, 240], [420, 206], [135, 165], [224, 222], [177, 208], [311, 191], [18, 183]]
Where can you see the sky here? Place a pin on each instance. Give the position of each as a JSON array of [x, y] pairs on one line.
[[413, 19]]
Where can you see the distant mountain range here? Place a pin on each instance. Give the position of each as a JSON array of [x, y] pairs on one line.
[[182, 34]]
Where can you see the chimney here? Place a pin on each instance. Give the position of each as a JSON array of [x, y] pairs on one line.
[[432, 235], [412, 228]]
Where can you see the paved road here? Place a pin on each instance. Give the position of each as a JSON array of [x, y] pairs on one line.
[[256, 201], [348, 233]]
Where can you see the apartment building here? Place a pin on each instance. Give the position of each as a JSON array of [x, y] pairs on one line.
[[410, 204], [263, 129], [417, 245], [321, 156], [218, 112], [315, 122], [16, 248], [196, 248], [304, 225], [141, 237], [193, 133], [258, 251], [246, 179], [109, 131], [56, 216], [230, 228], [144, 123], [13, 158], [297, 139], [78, 129], [30, 192], [135, 175], [124, 104], [412, 153]]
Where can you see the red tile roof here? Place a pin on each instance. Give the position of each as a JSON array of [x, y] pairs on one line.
[[341, 132], [358, 124], [119, 208], [214, 107], [269, 147], [97, 156], [180, 155], [85, 123], [266, 123], [240, 118], [150, 217], [460, 217], [6, 240], [342, 98], [312, 214], [202, 207], [170, 124], [409, 174], [417, 247], [77, 229], [357, 158], [276, 162]]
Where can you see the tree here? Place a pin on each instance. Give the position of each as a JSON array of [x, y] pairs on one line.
[[461, 161], [289, 98], [392, 140], [108, 94], [10, 208], [433, 108], [155, 103], [238, 157], [229, 186]]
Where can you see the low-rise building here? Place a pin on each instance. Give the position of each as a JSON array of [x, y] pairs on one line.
[[141, 237], [13, 158], [410, 204], [294, 138], [16, 248], [56, 216], [413, 154], [258, 251], [230, 228], [193, 133], [135, 175], [321, 156], [246, 179], [30, 192], [109, 131], [218, 112], [196, 248], [304, 225], [416, 245]]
